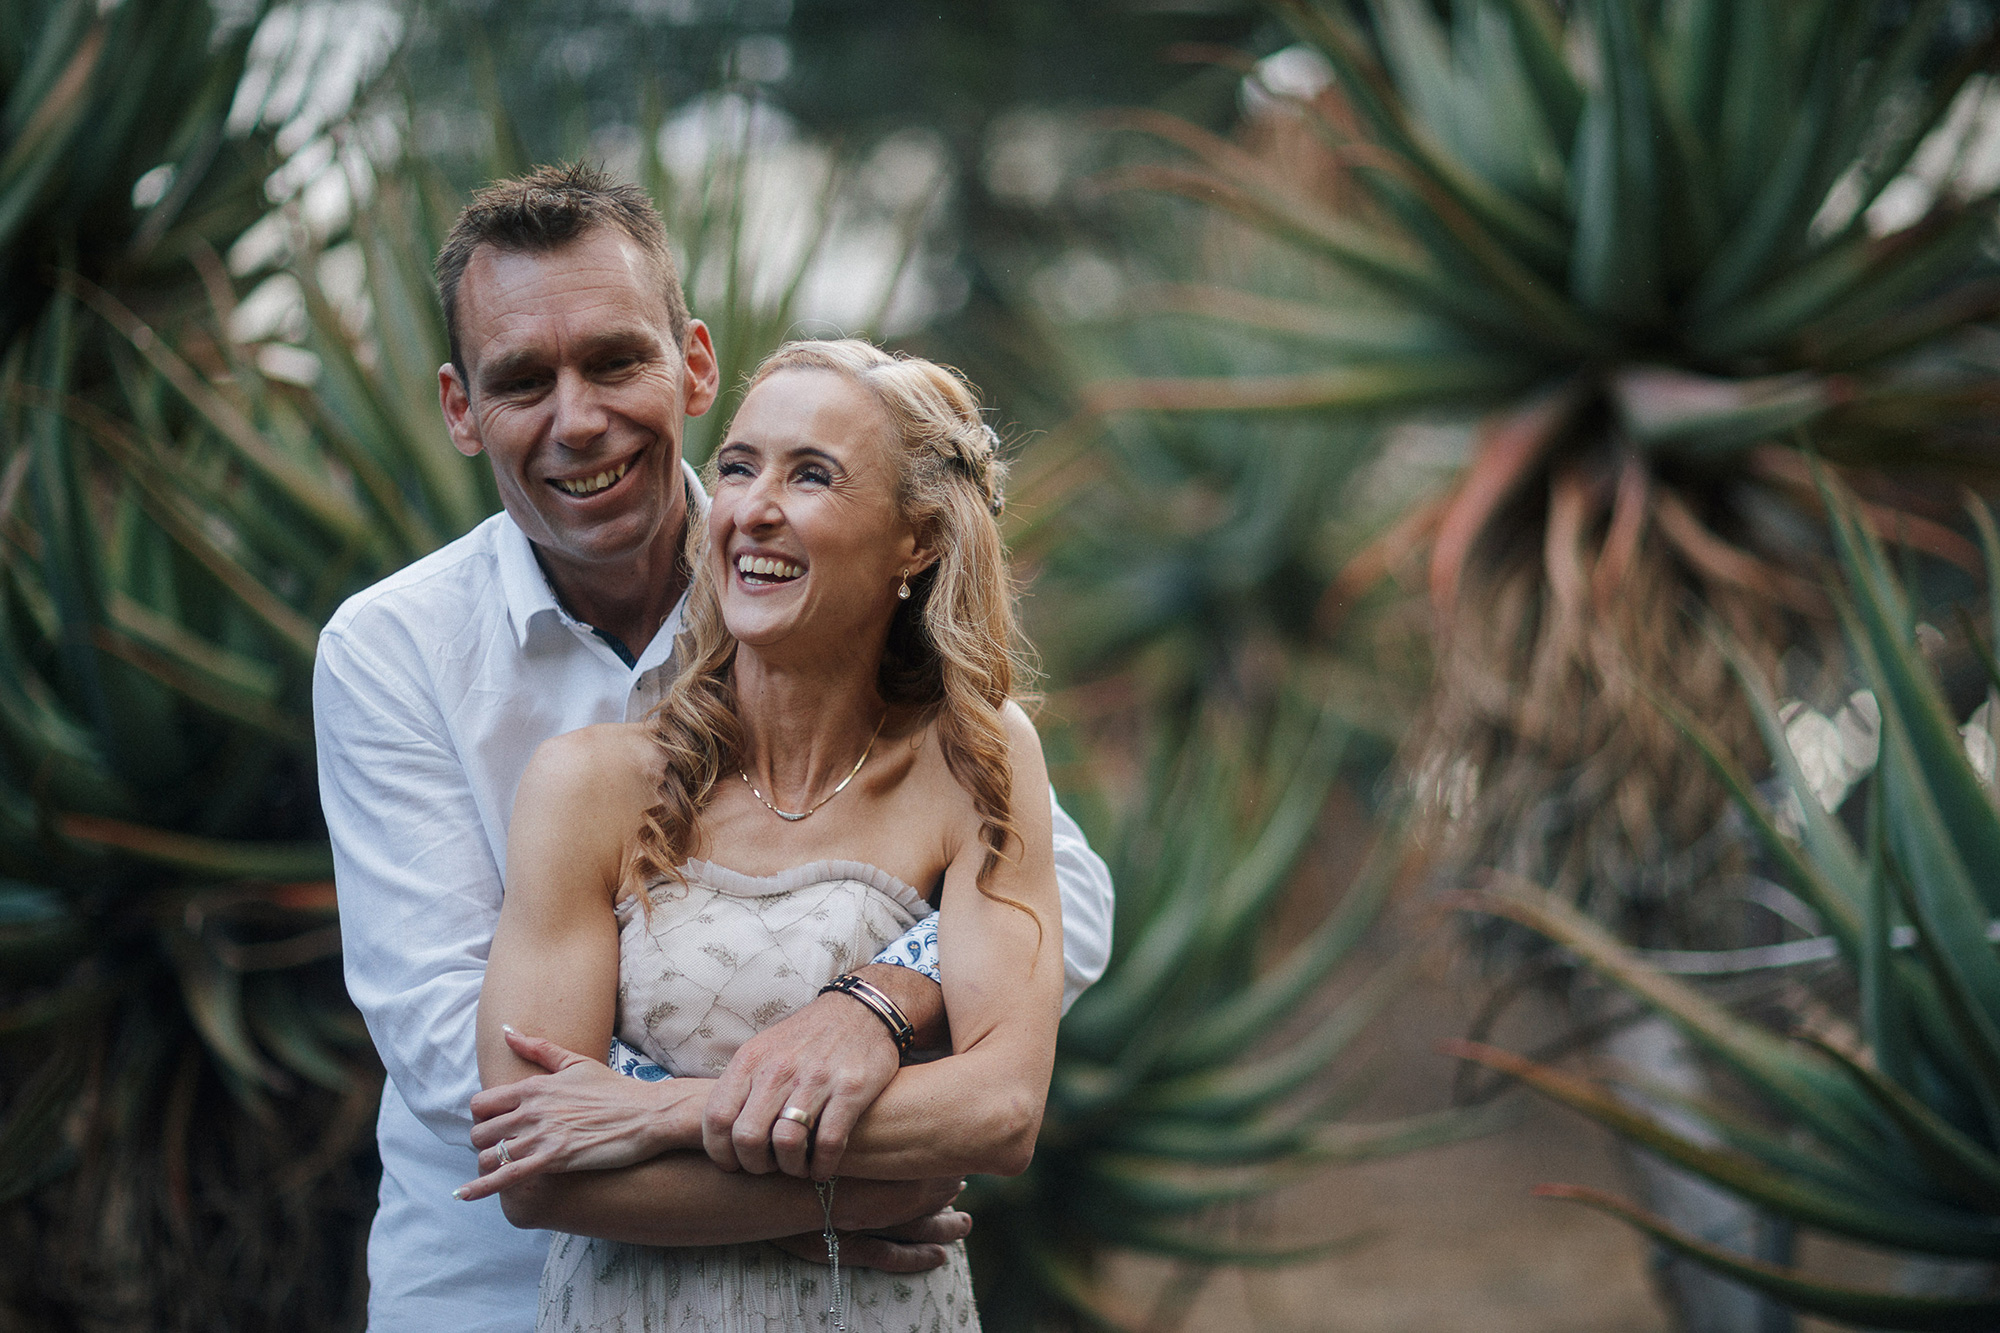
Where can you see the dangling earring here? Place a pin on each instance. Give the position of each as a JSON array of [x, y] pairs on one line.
[[903, 593]]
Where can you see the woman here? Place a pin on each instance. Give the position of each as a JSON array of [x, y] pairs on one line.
[[838, 750]]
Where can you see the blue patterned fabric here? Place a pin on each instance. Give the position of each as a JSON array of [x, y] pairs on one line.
[[624, 1060], [917, 949]]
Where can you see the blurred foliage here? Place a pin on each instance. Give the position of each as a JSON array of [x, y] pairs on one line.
[[1642, 245], [851, 71], [1881, 1115], [188, 1094], [1195, 1076]]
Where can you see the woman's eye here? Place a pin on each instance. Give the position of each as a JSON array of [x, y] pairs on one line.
[[814, 476], [732, 470]]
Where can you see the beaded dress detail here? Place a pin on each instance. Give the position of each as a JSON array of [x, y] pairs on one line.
[[713, 962]]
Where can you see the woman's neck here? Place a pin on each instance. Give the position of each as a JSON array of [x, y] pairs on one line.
[[804, 727]]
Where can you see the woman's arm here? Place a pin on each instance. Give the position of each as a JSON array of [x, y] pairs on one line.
[[685, 1199], [980, 1108], [553, 967]]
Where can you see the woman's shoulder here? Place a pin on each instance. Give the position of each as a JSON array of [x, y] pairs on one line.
[[1022, 755], [1020, 728], [599, 761]]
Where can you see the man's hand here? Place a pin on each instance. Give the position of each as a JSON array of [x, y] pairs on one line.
[[578, 1117], [887, 1205], [830, 1061], [914, 1248]]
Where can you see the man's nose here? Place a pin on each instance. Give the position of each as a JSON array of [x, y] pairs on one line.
[[580, 418]]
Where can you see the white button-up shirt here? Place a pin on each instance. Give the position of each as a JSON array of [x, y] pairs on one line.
[[431, 692]]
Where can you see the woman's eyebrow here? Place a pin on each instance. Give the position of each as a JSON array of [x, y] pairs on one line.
[[813, 451], [794, 454]]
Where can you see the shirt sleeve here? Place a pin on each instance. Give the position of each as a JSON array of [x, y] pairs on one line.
[[1085, 882], [417, 881], [916, 949]]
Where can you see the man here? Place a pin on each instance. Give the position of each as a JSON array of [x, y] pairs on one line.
[[574, 364]]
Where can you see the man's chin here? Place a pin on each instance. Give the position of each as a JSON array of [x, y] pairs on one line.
[[624, 543]]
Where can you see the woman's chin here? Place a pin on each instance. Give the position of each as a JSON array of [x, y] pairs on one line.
[[751, 629], [785, 638]]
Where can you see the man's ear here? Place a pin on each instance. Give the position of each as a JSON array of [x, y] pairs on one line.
[[704, 376], [456, 404]]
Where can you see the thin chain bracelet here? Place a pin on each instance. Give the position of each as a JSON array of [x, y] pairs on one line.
[[836, 1304]]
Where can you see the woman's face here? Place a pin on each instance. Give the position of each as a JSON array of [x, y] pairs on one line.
[[807, 544]]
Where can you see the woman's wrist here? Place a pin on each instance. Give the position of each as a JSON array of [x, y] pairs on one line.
[[677, 1126]]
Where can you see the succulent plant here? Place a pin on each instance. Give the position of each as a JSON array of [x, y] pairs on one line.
[[1642, 245], [1879, 1120]]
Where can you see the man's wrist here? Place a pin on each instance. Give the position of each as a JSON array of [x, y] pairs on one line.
[[920, 999]]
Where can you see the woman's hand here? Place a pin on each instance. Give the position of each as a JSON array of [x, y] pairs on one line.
[[580, 1116]]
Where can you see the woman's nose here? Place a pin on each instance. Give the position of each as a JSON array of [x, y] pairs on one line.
[[762, 506]]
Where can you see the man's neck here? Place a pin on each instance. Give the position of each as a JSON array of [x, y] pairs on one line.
[[626, 603]]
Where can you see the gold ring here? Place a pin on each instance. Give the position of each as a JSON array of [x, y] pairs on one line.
[[504, 1158], [796, 1116]]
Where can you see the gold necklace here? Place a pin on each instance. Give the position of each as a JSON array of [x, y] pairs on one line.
[[791, 817]]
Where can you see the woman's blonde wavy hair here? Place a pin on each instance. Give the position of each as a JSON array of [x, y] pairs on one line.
[[952, 651]]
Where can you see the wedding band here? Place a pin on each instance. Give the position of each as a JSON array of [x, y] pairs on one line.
[[796, 1116], [504, 1158]]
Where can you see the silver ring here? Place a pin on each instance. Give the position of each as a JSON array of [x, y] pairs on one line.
[[796, 1116], [504, 1158]]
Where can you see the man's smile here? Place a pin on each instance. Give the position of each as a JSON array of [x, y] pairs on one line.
[[591, 485]]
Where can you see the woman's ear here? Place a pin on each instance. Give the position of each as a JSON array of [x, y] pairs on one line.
[[924, 553]]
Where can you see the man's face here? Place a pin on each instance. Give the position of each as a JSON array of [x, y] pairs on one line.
[[575, 390]]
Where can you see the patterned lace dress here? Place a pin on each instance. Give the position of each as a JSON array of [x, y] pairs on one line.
[[714, 962]]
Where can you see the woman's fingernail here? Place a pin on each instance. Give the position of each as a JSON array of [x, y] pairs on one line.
[[459, 1194], [509, 1028]]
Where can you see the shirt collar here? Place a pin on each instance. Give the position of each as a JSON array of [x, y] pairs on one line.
[[526, 588]]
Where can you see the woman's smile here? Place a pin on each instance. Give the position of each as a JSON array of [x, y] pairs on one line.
[[764, 571]]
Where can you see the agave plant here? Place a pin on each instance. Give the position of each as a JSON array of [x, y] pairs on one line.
[[1642, 244], [1883, 1120], [1189, 1079], [165, 955]]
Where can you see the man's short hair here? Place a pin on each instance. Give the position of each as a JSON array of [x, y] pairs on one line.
[[551, 207]]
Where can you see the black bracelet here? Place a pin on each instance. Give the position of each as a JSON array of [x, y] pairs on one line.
[[879, 1004]]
